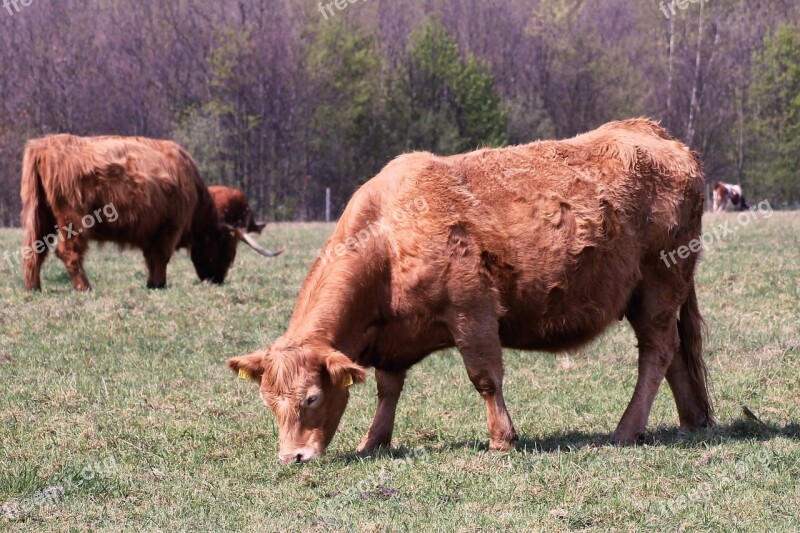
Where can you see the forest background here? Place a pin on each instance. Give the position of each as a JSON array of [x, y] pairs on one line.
[[284, 98]]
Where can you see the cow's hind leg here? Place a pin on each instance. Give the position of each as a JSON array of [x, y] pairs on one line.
[[32, 263], [390, 385], [690, 411], [71, 251], [687, 375], [652, 312], [32, 268], [478, 341]]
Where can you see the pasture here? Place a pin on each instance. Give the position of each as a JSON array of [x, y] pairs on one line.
[[135, 381]]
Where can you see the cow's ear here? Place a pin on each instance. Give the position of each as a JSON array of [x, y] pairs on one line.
[[342, 371], [249, 366]]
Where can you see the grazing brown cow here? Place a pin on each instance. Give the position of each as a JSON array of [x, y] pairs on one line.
[[160, 201], [534, 247], [234, 209], [729, 197]]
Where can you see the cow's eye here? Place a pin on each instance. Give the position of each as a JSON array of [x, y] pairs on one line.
[[311, 400]]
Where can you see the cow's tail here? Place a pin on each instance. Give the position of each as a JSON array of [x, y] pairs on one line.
[[37, 218], [690, 330]]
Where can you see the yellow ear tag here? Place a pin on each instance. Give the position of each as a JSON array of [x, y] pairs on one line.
[[349, 381], [233, 234], [245, 374]]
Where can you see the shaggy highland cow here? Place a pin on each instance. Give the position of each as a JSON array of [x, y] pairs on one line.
[[234, 209], [160, 200]]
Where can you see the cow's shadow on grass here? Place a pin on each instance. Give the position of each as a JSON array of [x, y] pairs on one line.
[[577, 440], [664, 436], [385, 454]]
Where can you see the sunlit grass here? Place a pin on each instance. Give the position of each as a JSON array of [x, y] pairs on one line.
[[139, 376]]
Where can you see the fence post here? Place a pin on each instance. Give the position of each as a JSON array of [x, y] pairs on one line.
[[327, 204]]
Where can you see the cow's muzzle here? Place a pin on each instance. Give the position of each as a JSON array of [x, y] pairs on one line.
[[301, 455]]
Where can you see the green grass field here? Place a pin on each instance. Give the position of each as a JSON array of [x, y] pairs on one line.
[[117, 412]]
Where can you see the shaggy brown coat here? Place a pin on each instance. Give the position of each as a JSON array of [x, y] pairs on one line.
[[161, 200], [534, 247], [234, 209]]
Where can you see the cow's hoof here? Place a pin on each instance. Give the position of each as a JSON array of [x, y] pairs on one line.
[[503, 445], [695, 424], [368, 445], [620, 438]]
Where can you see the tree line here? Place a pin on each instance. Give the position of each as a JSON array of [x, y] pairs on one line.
[[284, 98]]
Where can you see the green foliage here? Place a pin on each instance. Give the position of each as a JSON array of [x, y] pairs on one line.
[[481, 118], [442, 102], [345, 146], [199, 131], [216, 132], [776, 123], [282, 102], [585, 82]]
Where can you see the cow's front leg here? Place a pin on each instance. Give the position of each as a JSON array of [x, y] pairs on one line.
[[479, 344], [157, 258], [390, 385]]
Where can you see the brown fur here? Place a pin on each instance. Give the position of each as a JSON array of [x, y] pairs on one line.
[[234, 208], [535, 247], [155, 187]]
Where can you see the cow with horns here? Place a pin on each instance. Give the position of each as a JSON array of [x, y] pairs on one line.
[[234, 209], [152, 195]]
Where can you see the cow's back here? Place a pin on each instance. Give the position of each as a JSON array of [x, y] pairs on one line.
[[559, 231], [152, 184]]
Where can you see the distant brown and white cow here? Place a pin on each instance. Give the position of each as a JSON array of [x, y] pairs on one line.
[[534, 247], [160, 201], [729, 197], [234, 209]]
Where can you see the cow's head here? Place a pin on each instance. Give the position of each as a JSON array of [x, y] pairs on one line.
[[213, 252], [307, 389]]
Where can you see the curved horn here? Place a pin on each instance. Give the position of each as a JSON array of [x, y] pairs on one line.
[[251, 242]]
